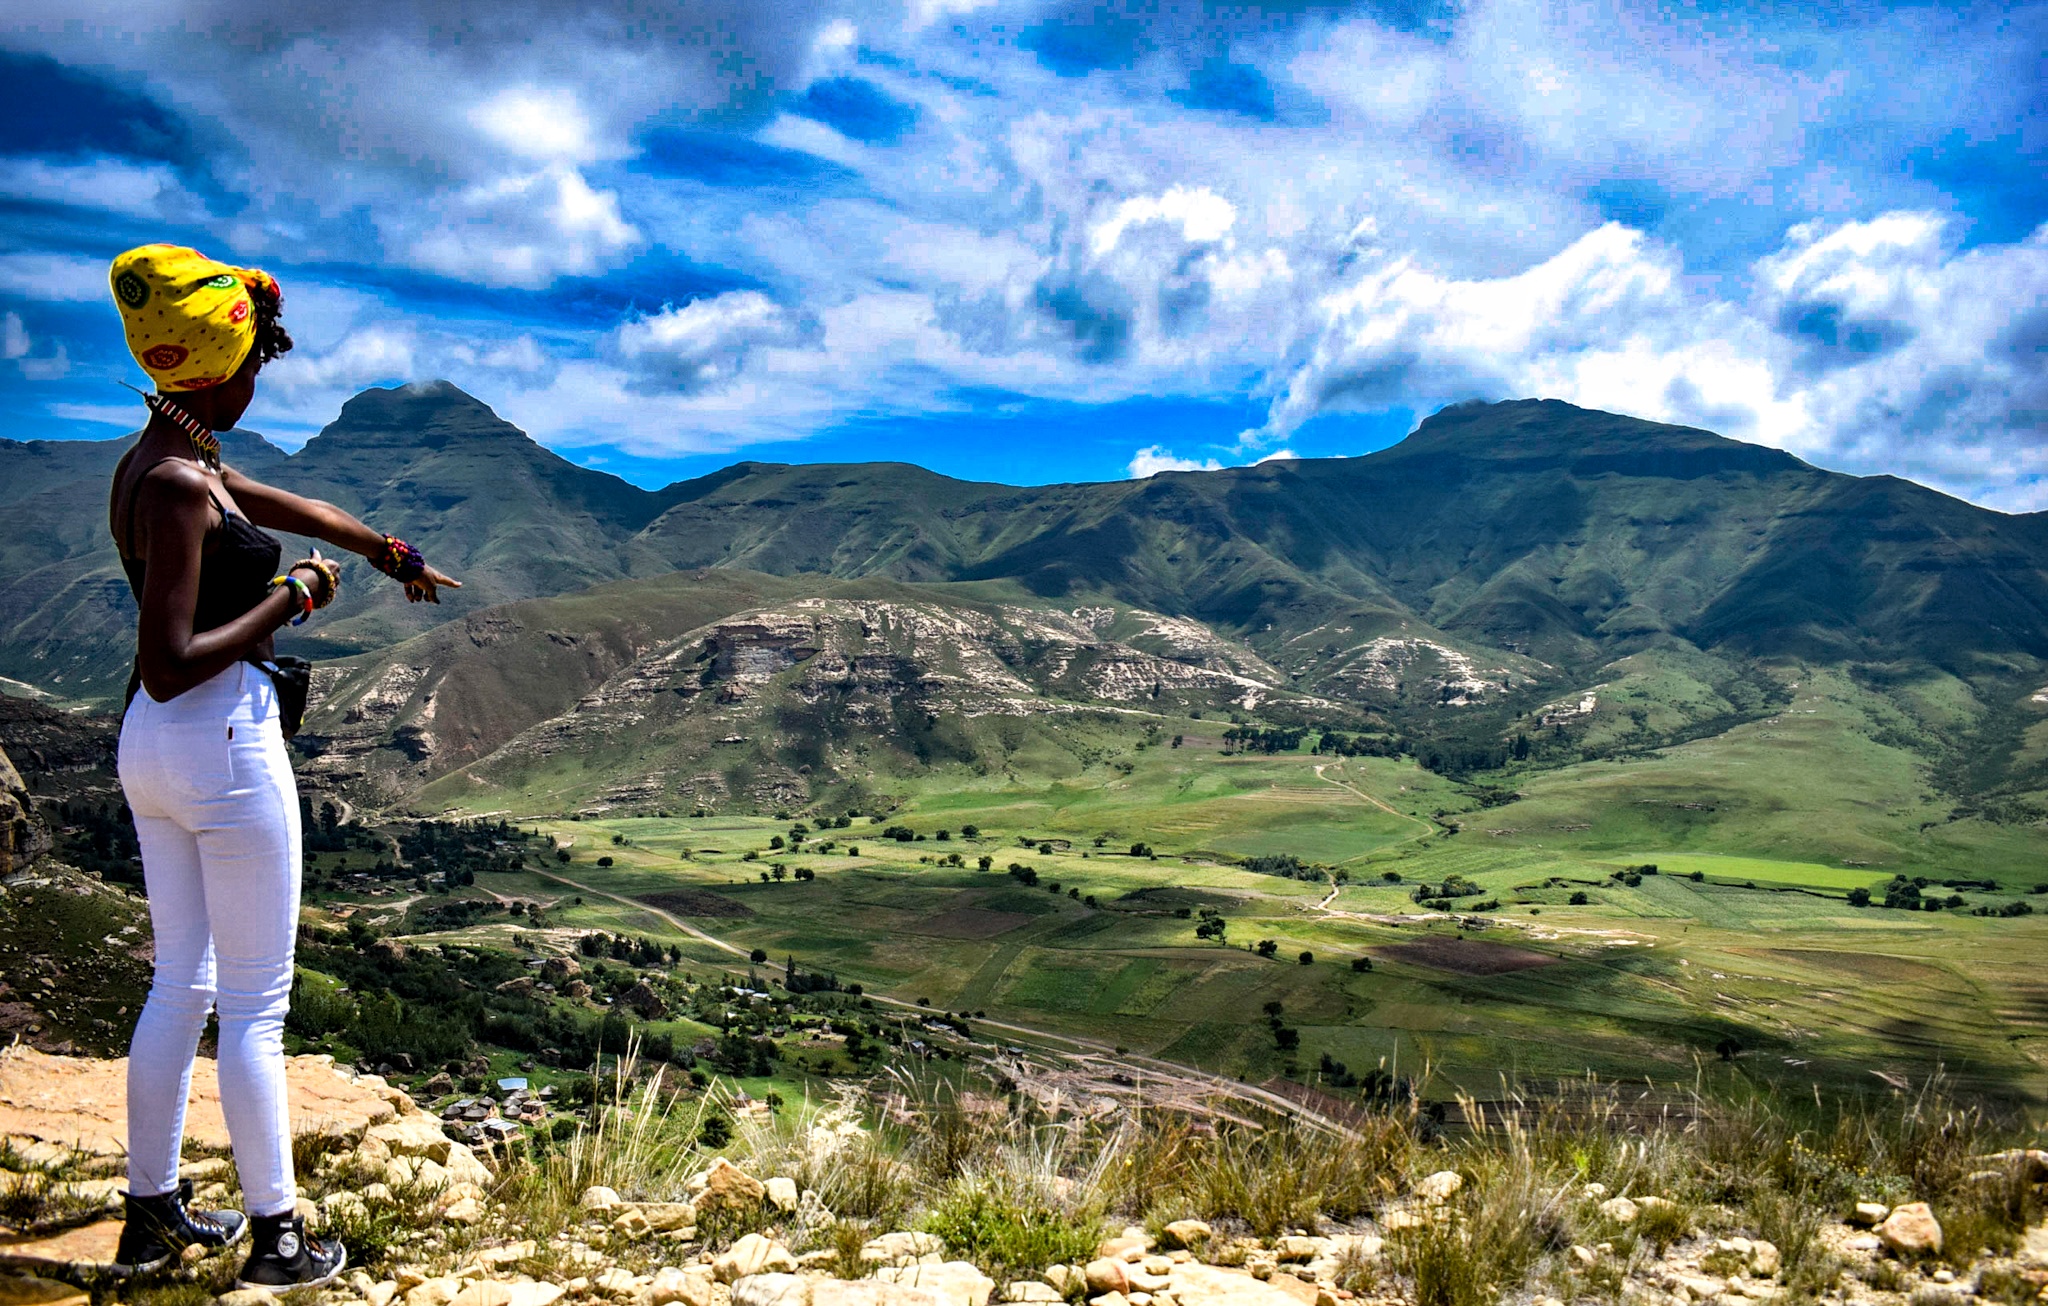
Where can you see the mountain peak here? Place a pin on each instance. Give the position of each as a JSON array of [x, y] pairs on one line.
[[419, 414], [1591, 441]]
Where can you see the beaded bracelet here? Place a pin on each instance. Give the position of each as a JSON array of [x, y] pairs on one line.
[[399, 560], [301, 592]]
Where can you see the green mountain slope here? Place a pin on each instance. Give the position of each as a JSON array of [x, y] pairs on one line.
[[1514, 568]]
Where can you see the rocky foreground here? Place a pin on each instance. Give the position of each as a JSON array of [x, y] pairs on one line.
[[447, 1229]]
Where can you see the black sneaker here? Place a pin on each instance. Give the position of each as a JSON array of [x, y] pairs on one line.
[[156, 1229], [282, 1257]]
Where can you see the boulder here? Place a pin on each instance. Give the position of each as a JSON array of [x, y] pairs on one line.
[[82, 1102], [1619, 1209], [955, 1283], [1869, 1214], [1023, 1290], [1440, 1186], [668, 1217], [556, 969], [1195, 1284], [27, 1290], [1911, 1230], [1104, 1275], [1125, 1247], [1298, 1248], [526, 1292], [727, 1187], [772, 1290], [1188, 1233], [782, 1193], [518, 987], [643, 1001], [754, 1254], [86, 1250], [681, 1286], [597, 1197]]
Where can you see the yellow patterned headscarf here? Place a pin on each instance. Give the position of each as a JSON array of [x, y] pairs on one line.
[[190, 321]]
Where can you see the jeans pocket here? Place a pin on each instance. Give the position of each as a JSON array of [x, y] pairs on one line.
[[195, 756]]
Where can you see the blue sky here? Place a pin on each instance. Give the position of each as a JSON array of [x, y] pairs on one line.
[[1052, 241]]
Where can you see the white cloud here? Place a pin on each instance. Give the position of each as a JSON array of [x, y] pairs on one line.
[[17, 347], [103, 185], [704, 344], [1154, 459], [523, 230], [546, 125], [1202, 215], [54, 278], [372, 356]]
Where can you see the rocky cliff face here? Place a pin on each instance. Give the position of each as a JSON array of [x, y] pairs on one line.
[[23, 836]]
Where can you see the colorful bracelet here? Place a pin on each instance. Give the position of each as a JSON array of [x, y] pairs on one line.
[[399, 560], [301, 592]]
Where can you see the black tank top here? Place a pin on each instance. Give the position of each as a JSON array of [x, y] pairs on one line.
[[234, 576]]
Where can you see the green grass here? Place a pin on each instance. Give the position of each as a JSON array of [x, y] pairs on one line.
[[1721, 869]]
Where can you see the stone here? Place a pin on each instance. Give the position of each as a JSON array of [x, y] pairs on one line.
[[1030, 1290], [526, 1292], [1124, 1247], [1619, 1209], [380, 1294], [725, 1186], [1196, 1284], [614, 1282], [1764, 1259], [782, 1193], [464, 1168], [631, 1224], [1700, 1285], [245, 1297], [1440, 1186], [871, 1292], [1188, 1233], [1104, 1275], [2033, 1248], [772, 1290], [419, 1172], [688, 1286], [1585, 1256], [900, 1247], [597, 1197], [1655, 1203], [1065, 1278], [463, 1210], [956, 1283], [28, 1290], [414, 1135], [82, 1102], [1297, 1247], [668, 1217], [1868, 1242], [753, 1254], [88, 1249], [438, 1291], [1595, 1191], [1110, 1299], [1870, 1214], [484, 1292], [1911, 1230]]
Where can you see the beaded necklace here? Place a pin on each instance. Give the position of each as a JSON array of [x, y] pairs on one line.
[[204, 442]]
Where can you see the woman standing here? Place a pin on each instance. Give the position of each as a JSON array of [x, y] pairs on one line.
[[202, 757]]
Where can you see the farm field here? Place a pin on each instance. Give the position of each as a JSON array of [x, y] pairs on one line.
[[1761, 959]]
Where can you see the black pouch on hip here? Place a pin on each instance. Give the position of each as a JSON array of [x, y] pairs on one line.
[[294, 680]]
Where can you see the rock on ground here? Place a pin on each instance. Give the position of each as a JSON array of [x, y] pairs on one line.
[[1911, 1230], [82, 1102]]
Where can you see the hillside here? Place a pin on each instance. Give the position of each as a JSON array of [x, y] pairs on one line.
[[1506, 564]]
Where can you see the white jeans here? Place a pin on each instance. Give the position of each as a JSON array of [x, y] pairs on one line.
[[217, 812]]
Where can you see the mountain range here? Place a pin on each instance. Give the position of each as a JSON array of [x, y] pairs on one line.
[[1499, 571]]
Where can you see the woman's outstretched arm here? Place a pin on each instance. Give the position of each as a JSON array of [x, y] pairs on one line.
[[281, 510]]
